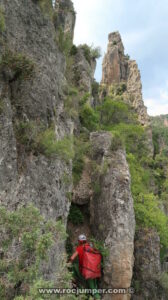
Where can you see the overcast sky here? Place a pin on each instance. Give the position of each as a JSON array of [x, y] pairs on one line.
[[143, 25]]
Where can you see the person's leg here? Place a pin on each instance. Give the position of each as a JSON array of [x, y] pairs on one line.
[[92, 284], [78, 276]]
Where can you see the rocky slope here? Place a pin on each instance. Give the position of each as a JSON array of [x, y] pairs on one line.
[[57, 153]]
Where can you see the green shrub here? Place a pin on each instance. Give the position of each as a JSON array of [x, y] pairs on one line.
[[84, 99], [22, 66], [116, 91], [117, 142], [95, 52], [140, 177], [71, 103], [132, 136], [164, 281], [27, 134], [147, 207], [115, 112], [31, 237], [148, 214], [2, 20], [48, 145], [64, 41], [75, 215], [74, 50], [89, 118], [99, 245], [34, 138], [90, 52]]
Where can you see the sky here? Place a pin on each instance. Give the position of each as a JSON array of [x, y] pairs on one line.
[[143, 25]]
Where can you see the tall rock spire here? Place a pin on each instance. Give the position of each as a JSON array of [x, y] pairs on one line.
[[117, 68], [114, 64]]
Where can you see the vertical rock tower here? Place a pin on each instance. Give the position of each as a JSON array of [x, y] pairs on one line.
[[118, 69]]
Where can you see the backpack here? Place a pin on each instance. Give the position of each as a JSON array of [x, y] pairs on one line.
[[91, 263]]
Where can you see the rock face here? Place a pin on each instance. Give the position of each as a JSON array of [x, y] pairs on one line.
[[117, 69], [134, 90], [147, 268], [83, 73], [28, 177], [83, 191], [112, 214], [115, 65], [65, 17]]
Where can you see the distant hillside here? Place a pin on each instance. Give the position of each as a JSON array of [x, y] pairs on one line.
[[160, 133], [161, 120]]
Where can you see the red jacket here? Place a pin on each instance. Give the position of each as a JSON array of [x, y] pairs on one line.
[[80, 250]]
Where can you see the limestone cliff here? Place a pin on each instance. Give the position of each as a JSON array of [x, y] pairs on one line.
[[29, 176]]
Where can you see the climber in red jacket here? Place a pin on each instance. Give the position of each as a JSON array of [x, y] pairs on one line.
[[91, 283], [79, 250]]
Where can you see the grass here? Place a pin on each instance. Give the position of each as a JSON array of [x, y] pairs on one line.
[[34, 138], [22, 66], [52, 148]]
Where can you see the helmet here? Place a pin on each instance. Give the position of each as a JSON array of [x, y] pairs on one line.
[[82, 237]]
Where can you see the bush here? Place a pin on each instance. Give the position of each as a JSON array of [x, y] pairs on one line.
[[48, 145], [164, 281], [74, 50], [89, 118], [84, 99], [27, 134], [30, 237], [71, 103], [115, 112], [22, 66], [64, 41], [34, 138], [148, 214], [90, 52], [147, 206], [95, 52], [140, 177], [117, 142], [99, 245], [132, 136], [75, 215]]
